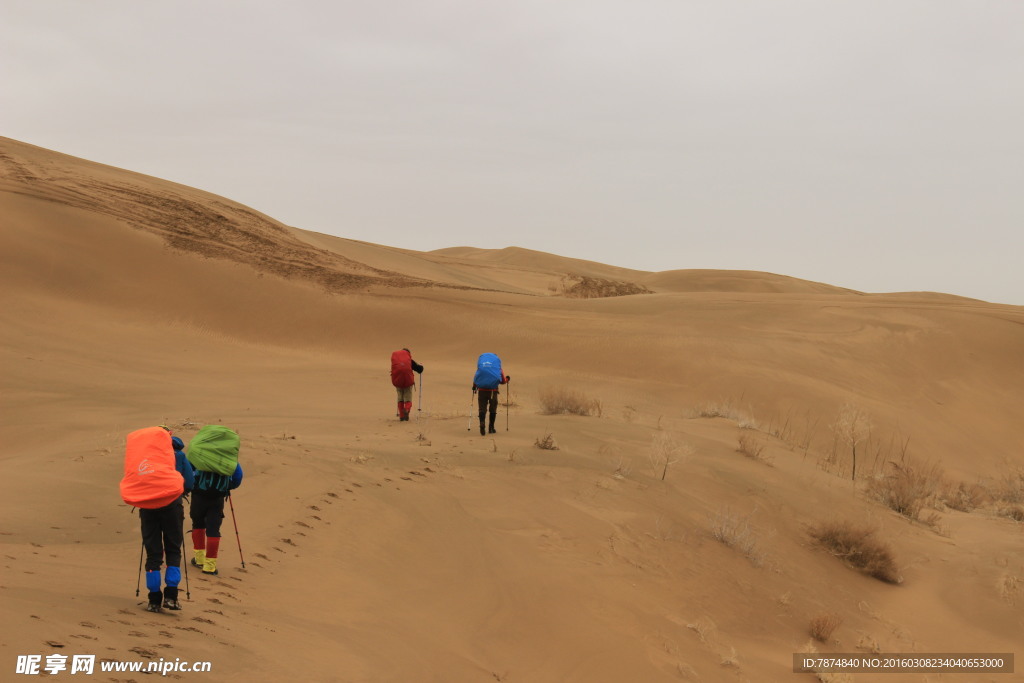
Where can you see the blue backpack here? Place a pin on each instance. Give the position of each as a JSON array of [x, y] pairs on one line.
[[488, 371]]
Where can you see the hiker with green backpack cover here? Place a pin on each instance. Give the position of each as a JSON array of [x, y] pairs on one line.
[[213, 453]]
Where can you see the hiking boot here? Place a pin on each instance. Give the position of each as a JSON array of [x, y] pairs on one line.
[[171, 597], [210, 566], [154, 601], [492, 430], [198, 564], [483, 430]]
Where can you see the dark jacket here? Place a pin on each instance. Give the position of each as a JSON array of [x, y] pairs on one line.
[[182, 464]]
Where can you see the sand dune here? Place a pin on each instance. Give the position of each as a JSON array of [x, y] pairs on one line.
[[383, 551]]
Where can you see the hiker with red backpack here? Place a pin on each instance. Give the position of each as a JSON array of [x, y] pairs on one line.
[[402, 377], [486, 381], [155, 478], [213, 452]]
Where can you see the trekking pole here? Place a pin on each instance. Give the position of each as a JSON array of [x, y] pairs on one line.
[[237, 539], [420, 392], [469, 418], [138, 583], [184, 563], [508, 399], [188, 593]]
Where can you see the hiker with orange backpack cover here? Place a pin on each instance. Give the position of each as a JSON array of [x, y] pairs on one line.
[[156, 476]]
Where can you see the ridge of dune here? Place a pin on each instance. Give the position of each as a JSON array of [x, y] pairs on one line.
[[183, 217], [665, 539]]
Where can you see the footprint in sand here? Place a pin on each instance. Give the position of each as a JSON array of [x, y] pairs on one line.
[[143, 652]]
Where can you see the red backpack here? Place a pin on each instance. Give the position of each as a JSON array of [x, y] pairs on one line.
[[401, 369], [150, 478]]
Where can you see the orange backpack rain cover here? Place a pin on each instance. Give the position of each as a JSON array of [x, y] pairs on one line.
[[150, 479]]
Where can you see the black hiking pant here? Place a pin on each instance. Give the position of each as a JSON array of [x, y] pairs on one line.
[[162, 534], [207, 511], [487, 400]]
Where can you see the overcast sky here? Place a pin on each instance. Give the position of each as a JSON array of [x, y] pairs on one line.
[[871, 144]]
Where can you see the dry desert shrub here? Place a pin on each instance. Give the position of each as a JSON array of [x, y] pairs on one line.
[[704, 628], [667, 450], [822, 626], [753, 447], [851, 429], [731, 658], [1014, 512], [562, 401], [907, 487], [546, 443], [735, 532], [726, 409], [963, 497], [1011, 488], [1010, 587], [856, 545], [511, 398]]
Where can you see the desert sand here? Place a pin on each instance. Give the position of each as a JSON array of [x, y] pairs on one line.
[[647, 547]]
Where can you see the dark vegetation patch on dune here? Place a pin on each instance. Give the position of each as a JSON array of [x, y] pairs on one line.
[[584, 287]]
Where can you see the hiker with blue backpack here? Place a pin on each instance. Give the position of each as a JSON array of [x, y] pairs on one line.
[[489, 376], [213, 453]]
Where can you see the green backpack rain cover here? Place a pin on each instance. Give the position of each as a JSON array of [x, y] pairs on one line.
[[214, 449]]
